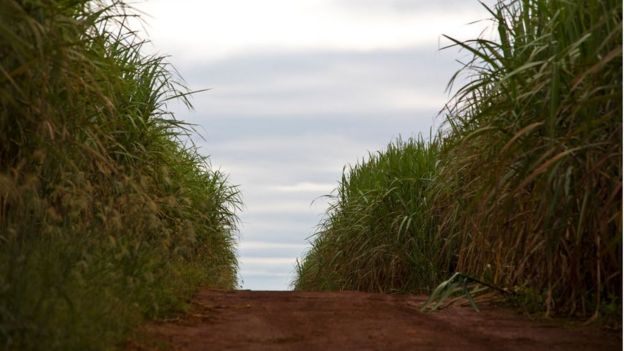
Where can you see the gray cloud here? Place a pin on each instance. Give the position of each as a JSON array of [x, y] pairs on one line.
[[277, 78], [351, 93], [269, 65]]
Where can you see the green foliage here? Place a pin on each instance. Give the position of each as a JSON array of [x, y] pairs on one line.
[[378, 234], [526, 188], [530, 178], [106, 215]]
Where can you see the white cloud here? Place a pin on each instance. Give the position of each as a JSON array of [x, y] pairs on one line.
[[267, 261], [280, 207], [266, 273], [305, 187], [209, 29], [413, 99], [269, 245]]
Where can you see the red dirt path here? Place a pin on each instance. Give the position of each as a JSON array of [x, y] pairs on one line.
[[262, 320]]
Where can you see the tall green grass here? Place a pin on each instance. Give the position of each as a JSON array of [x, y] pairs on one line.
[[527, 191], [543, 114], [107, 214], [378, 234]]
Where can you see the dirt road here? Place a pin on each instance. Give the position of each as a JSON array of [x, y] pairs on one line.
[[250, 320]]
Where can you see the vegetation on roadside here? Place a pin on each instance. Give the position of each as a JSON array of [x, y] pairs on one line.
[[107, 214], [375, 236], [524, 189]]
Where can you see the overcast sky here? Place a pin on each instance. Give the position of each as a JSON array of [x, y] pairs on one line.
[[298, 89]]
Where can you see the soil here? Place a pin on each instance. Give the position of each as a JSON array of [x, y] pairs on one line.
[[271, 320]]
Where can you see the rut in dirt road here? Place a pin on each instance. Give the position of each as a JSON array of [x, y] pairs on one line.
[[257, 320]]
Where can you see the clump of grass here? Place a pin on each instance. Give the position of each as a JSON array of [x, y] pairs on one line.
[[378, 234], [107, 215], [524, 186], [530, 178]]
